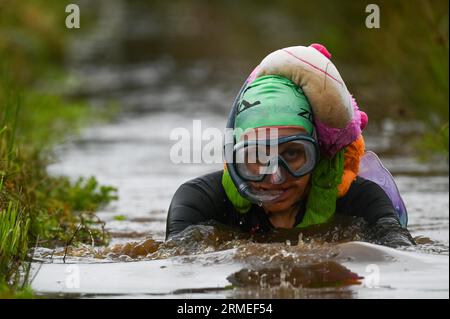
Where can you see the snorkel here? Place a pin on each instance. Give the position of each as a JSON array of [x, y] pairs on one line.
[[242, 186]]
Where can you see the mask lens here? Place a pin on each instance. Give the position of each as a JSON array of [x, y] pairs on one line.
[[294, 155], [299, 156], [255, 162]]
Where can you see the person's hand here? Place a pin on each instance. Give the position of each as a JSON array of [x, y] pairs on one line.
[[388, 231]]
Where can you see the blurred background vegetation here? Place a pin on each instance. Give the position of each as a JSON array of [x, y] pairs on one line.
[[399, 71]]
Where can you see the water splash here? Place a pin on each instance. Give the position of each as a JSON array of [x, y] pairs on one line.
[[212, 237]]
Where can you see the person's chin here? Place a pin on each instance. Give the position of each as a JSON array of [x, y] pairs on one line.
[[276, 207]]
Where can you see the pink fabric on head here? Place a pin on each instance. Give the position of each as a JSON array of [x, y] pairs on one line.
[[322, 49], [364, 120], [331, 140]]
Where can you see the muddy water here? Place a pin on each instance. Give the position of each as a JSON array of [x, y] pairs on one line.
[[131, 59], [133, 154]]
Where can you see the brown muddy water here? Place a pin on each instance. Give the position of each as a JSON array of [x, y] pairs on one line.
[[212, 261], [158, 93]]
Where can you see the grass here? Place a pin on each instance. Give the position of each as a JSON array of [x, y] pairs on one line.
[[36, 208], [14, 227], [120, 218]]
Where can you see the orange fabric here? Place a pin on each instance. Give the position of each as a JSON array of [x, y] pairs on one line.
[[352, 156]]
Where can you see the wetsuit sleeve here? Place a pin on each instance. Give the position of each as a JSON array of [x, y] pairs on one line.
[[190, 205], [368, 200], [196, 201]]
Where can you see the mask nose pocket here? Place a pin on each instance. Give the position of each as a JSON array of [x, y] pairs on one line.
[[275, 173]]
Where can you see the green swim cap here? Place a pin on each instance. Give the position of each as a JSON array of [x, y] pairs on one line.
[[273, 100]]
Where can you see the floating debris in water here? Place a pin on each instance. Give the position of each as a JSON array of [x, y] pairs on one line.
[[314, 275], [133, 249]]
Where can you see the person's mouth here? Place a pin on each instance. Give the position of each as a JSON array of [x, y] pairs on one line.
[[283, 194], [271, 188], [275, 195]]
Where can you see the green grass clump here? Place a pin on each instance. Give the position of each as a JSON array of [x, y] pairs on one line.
[[120, 218], [36, 208], [14, 227]]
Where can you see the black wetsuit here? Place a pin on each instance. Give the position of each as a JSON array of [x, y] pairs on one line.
[[203, 199]]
